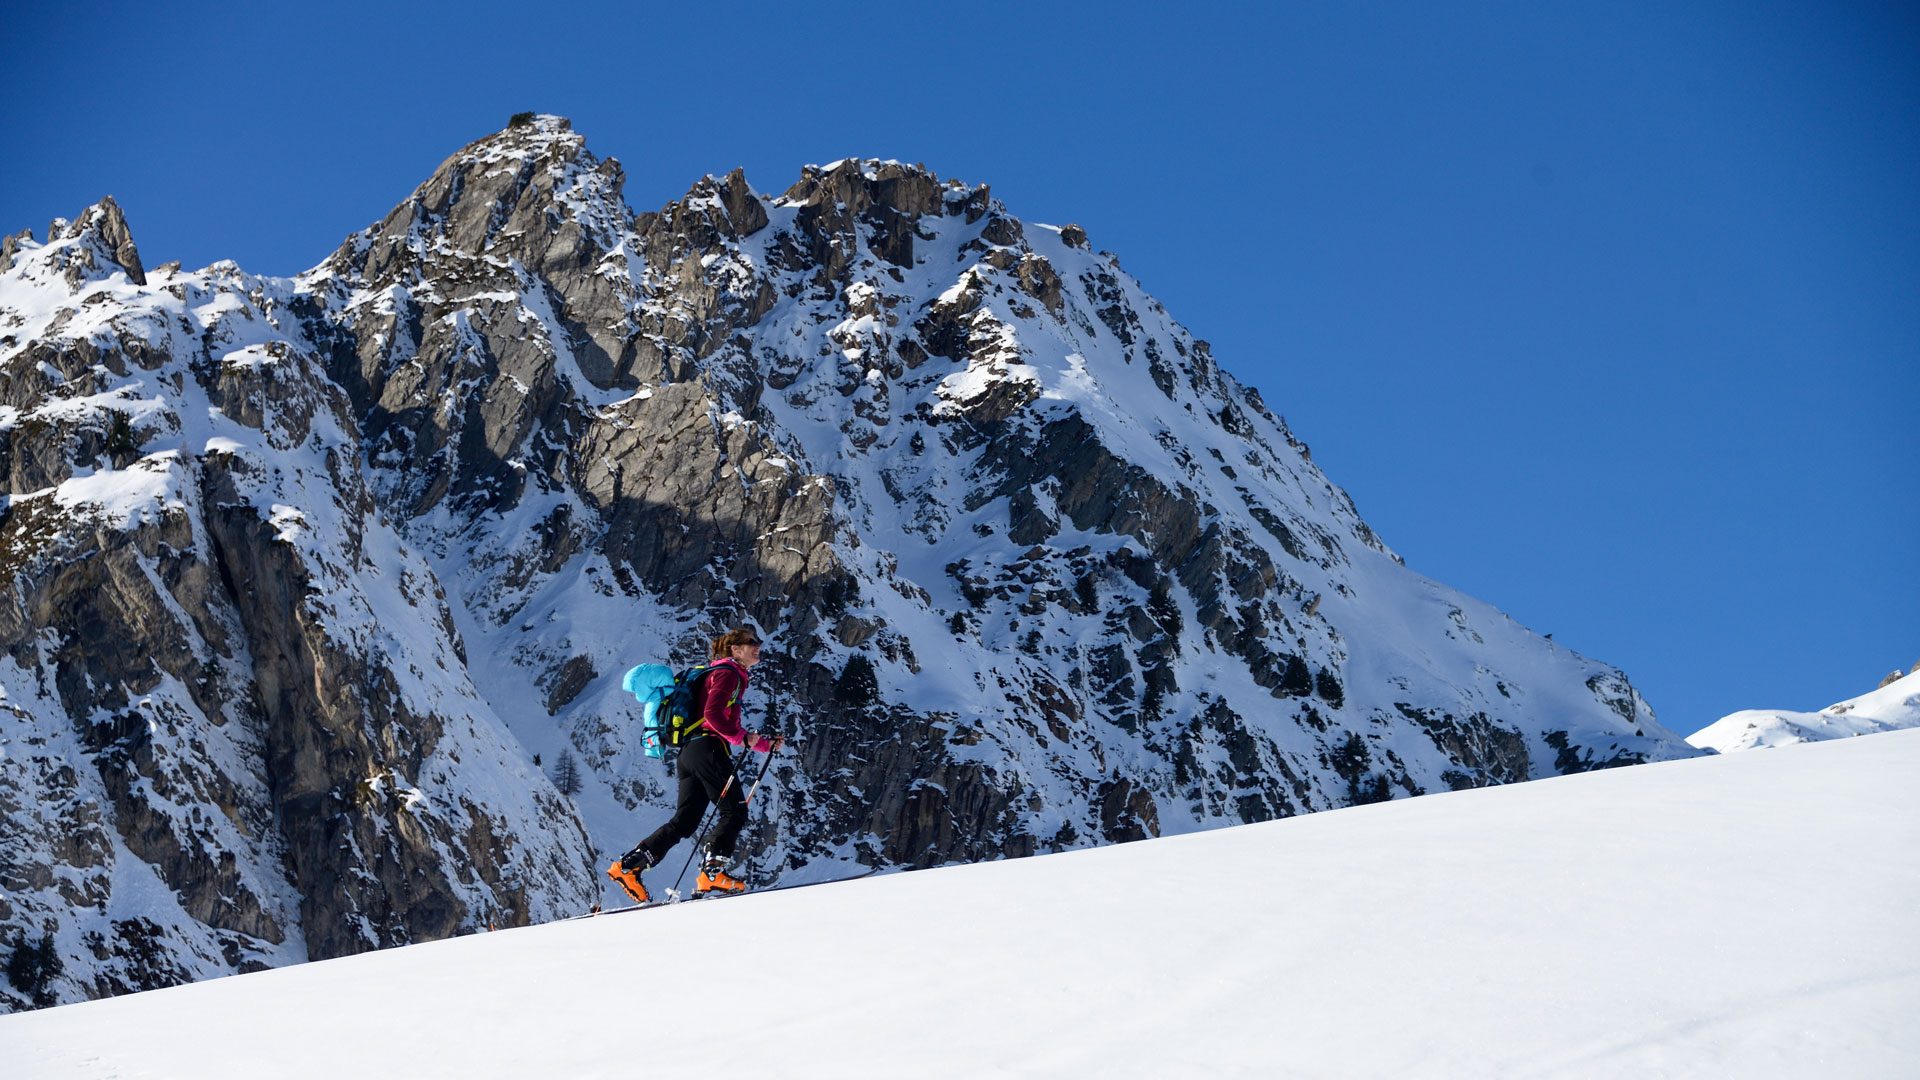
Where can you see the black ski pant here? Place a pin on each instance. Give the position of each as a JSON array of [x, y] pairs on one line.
[[706, 766]]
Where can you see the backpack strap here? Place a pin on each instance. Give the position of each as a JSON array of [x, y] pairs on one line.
[[700, 728]]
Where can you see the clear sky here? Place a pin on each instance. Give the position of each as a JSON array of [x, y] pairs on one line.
[[1606, 314]]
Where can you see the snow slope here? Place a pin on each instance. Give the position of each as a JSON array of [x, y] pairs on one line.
[[1890, 708], [1745, 916]]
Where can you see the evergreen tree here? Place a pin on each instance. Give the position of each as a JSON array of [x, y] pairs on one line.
[[857, 684], [33, 967], [566, 774]]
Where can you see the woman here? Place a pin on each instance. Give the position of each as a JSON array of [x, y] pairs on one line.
[[706, 775]]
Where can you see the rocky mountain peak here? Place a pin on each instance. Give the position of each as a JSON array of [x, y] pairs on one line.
[[715, 209], [90, 248], [887, 197], [530, 193], [861, 184], [106, 227]]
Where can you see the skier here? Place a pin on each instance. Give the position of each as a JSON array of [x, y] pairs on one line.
[[707, 776]]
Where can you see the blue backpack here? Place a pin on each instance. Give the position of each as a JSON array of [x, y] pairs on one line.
[[671, 703]]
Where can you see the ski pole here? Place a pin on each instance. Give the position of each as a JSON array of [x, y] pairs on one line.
[[677, 878], [775, 818], [764, 766]]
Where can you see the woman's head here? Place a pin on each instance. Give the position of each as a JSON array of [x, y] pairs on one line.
[[741, 644]]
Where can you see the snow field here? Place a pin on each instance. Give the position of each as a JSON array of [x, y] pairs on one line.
[[1745, 916]]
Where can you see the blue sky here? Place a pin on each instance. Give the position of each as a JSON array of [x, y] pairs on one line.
[[1606, 314]]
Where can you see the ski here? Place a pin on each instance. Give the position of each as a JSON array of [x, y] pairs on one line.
[[599, 911], [669, 901], [783, 888]]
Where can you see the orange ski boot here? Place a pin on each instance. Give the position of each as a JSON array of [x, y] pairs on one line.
[[715, 879], [629, 880]]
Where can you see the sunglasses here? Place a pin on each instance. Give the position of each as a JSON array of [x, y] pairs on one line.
[[754, 643]]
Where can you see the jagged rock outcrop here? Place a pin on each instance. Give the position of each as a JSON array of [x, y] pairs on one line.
[[307, 573]]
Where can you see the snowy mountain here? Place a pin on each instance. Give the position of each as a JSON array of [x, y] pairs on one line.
[[1674, 920], [1893, 706], [239, 731], [313, 577]]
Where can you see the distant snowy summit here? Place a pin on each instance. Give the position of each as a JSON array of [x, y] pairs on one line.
[[1894, 706]]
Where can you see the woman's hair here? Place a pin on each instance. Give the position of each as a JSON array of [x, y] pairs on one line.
[[723, 645]]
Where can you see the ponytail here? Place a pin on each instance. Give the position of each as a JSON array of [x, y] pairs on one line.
[[723, 645]]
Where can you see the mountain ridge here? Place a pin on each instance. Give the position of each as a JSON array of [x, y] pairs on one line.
[[1036, 572]]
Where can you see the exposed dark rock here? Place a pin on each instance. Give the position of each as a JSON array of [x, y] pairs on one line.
[[1039, 281], [10, 246]]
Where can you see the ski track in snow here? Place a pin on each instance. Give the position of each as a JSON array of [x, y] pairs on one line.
[[1742, 916]]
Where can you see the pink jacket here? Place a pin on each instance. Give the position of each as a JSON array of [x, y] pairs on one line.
[[726, 684]]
